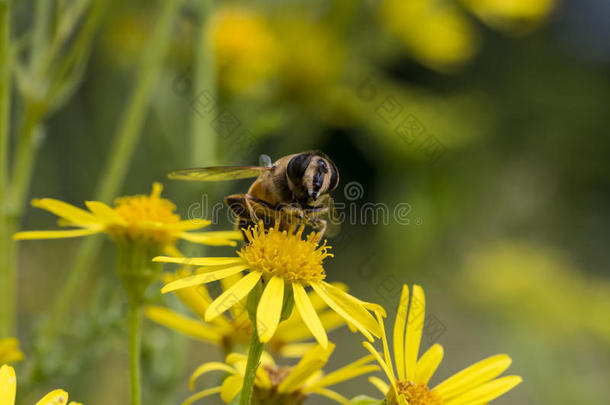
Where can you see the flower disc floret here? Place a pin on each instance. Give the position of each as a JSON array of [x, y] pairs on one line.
[[285, 254], [145, 218]]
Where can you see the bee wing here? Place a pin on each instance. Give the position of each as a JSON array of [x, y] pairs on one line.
[[333, 219], [218, 173]]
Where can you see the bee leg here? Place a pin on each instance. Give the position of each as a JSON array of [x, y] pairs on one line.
[[248, 200], [319, 224]]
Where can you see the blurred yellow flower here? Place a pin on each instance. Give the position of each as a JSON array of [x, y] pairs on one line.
[[282, 385], [9, 351], [141, 218], [511, 15], [436, 33], [281, 259], [8, 389], [310, 57], [230, 331], [501, 274], [440, 36], [244, 45], [475, 385]]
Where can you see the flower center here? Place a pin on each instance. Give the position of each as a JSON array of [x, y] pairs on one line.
[[416, 394], [146, 216], [277, 374], [285, 254]]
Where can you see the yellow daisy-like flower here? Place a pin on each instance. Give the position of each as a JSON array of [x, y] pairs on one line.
[[233, 329], [282, 385], [287, 264], [8, 389], [512, 15], [436, 33], [9, 351], [475, 385], [245, 46], [141, 218]]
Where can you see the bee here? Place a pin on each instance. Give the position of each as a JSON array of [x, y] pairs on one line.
[[295, 189]]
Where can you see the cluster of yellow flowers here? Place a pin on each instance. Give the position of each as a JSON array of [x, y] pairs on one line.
[[265, 293]]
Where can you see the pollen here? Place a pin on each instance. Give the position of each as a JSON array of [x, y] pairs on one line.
[[416, 394], [146, 218], [285, 253]]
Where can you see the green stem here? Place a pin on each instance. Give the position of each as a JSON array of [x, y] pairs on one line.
[[203, 138], [13, 207], [25, 156], [136, 271], [7, 247], [135, 343], [132, 121], [120, 155], [254, 356], [42, 14]]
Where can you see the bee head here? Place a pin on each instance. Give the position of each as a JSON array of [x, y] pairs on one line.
[[311, 175]]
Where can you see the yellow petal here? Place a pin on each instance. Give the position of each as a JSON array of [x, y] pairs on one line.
[[182, 324], [201, 394], [356, 308], [380, 385], [471, 377], [56, 397], [312, 362], [67, 211], [428, 363], [237, 311], [487, 391], [232, 296], [415, 325], [330, 394], [295, 350], [399, 333], [9, 351], [220, 238], [340, 375], [387, 368], [203, 278], [8, 385], [294, 328], [231, 387], [105, 213], [188, 224], [200, 261], [233, 358], [321, 291], [269, 309], [206, 368], [308, 314], [384, 340], [72, 233]]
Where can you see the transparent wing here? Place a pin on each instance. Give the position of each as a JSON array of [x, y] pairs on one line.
[[218, 173], [333, 219], [265, 161]]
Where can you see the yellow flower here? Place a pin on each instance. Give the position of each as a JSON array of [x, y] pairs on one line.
[[9, 351], [436, 33], [244, 46], [141, 218], [307, 65], [234, 329], [511, 14], [287, 264], [282, 385], [8, 389], [475, 385]]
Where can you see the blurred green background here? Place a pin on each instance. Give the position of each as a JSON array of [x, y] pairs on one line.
[[477, 128]]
